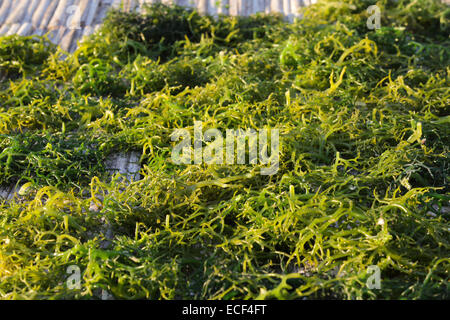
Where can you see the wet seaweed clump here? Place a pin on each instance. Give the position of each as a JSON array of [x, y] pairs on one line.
[[22, 55], [363, 179]]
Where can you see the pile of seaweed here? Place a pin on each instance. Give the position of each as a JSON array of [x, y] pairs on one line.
[[364, 157]]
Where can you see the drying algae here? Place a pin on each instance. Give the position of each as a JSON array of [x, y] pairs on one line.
[[363, 180]]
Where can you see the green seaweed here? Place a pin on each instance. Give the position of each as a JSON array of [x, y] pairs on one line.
[[364, 159]]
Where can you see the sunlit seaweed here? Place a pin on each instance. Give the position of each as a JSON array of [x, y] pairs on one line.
[[364, 162]]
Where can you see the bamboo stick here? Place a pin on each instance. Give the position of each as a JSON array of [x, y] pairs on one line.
[[13, 29], [294, 7], [26, 29], [276, 6], [18, 11], [234, 9], [60, 12], [87, 32], [116, 4], [49, 11], [58, 34], [212, 8], [52, 34], [31, 9], [74, 15], [257, 6], [262, 5], [202, 6], [138, 5], [126, 164], [38, 15], [67, 39], [286, 7], [4, 29], [92, 9], [83, 6], [75, 39], [9, 192], [224, 7], [39, 32], [183, 3], [134, 5], [190, 4], [4, 10], [126, 5], [247, 7], [101, 13], [240, 7], [74, 42]]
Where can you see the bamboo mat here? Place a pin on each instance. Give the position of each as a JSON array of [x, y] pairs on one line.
[[67, 21]]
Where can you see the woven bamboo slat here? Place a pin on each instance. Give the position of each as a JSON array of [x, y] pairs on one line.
[[4, 10], [48, 14], [19, 9]]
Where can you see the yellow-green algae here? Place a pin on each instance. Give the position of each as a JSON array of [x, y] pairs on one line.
[[364, 164]]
